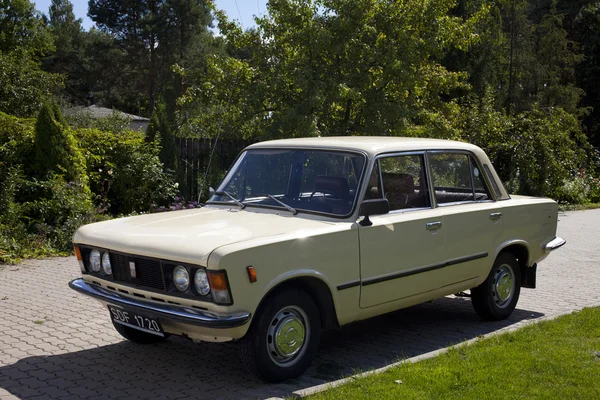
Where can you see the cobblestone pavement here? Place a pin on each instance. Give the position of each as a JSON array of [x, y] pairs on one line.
[[55, 343]]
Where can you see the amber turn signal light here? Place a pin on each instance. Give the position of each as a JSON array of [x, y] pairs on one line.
[[218, 280], [78, 254], [251, 273], [79, 259]]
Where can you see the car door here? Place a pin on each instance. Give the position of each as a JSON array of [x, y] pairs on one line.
[[401, 251], [472, 219]]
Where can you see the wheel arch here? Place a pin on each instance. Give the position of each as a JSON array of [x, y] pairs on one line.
[[520, 250], [316, 288]]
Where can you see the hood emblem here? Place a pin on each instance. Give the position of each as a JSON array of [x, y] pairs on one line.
[[132, 271]]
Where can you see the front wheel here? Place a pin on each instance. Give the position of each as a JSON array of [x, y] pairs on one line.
[[284, 336], [496, 298]]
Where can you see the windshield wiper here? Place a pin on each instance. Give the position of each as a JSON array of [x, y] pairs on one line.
[[290, 208], [239, 203]]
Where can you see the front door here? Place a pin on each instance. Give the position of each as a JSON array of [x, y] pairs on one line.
[[401, 251]]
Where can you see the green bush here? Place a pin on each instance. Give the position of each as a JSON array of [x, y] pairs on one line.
[[56, 150], [82, 118], [125, 172], [43, 202], [574, 190], [535, 152]]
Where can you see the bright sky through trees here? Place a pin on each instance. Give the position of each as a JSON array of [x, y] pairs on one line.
[[247, 10]]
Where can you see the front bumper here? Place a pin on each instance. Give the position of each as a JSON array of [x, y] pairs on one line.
[[175, 313], [554, 244]]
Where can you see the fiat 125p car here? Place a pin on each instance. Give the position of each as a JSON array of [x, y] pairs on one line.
[[315, 233]]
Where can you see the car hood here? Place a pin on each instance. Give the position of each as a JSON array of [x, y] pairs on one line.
[[190, 235]]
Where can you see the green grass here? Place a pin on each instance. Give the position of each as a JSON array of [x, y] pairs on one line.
[[557, 359], [578, 207]]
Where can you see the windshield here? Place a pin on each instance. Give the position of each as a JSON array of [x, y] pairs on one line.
[[305, 180]]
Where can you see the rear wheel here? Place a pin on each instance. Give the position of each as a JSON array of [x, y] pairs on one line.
[[138, 336], [497, 297], [283, 338]]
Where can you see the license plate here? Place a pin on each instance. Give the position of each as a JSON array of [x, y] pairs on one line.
[[136, 321]]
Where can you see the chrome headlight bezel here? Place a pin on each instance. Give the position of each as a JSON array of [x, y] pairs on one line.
[[95, 260], [181, 278]]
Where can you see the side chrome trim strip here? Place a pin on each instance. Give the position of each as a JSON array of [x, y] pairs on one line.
[[420, 270], [348, 285], [182, 314]]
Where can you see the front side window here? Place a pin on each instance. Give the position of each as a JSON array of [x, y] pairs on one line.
[[457, 178], [401, 181], [306, 180]]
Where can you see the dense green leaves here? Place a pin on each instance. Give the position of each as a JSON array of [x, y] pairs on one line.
[[55, 148], [334, 68]]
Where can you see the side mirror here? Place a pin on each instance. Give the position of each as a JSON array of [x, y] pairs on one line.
[[211, 190], [373, 207]]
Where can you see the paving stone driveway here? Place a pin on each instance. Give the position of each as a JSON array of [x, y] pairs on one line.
[[55, 343]]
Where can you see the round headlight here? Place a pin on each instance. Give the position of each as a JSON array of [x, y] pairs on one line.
[[106, 264], [181, 278], [201, 282], [95, 260]]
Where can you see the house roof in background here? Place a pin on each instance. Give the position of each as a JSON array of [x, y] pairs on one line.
[[102, 112]]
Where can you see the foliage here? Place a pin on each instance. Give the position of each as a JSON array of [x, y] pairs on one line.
[[69, 55], [125, 172], [333, 68], [39, 213], [154, 35], [115, 122], [24, 87], [37, 216], [24, 38], [56, 149], [165, 136], [551, 359], [587, 29], [22, 29]]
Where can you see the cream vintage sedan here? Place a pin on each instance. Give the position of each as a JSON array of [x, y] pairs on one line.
[[306, 234]]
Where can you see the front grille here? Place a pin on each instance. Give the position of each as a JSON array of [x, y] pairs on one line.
[[148, 272]]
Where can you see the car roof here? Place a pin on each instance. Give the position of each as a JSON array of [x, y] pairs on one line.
[[372, 145]]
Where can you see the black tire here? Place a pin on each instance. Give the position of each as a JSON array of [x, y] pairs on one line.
[[492, 304], [261, 354], [138, 336]]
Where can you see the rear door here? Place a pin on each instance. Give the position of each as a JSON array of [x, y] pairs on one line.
[[472, 219]]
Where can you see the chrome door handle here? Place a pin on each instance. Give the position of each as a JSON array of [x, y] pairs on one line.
[[433, 226], [495, 216]]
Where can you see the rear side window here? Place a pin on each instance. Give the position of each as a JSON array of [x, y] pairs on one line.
[[456, 178], [488, 172], [402, 182]]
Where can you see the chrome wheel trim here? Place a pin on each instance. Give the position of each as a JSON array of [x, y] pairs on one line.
[[288, 336], [503, 286]]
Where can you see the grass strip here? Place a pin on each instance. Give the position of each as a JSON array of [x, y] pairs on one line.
[[558, 359]]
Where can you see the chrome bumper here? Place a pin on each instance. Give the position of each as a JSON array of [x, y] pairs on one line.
[[182, 314], [554, 244]]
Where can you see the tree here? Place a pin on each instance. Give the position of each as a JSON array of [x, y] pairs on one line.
[[333, 67], [587, 27], [24, 38], [55, 148], [24, 87], [69, 56], [22, 29], [556, 61], [135, 26], [155, 35]]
